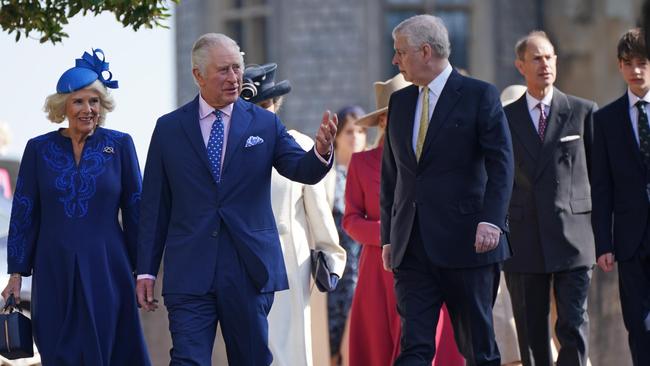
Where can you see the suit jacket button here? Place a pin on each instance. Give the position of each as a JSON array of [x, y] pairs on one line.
[[215, 233]]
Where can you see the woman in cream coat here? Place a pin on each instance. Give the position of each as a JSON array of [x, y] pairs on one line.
[[303, 216], [304, 221]]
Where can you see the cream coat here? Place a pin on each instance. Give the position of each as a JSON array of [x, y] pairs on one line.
[[304, 221]]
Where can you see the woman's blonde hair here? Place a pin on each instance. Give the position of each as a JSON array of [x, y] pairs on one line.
[[55, 103]]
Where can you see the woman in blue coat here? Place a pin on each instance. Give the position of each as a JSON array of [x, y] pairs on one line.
[[66, 232]]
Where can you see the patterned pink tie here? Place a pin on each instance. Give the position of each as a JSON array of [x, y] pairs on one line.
[[541, 125]]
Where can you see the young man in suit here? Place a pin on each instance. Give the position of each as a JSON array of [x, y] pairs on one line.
[[446, 178], [550, 210], [206, 203], [621, 189]]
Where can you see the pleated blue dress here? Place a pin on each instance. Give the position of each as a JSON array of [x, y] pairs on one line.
[[65, 232]]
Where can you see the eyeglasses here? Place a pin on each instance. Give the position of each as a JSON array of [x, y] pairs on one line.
[[401, 53]]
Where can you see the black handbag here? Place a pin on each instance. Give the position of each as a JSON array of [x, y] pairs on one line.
[[321, 272], [16, 332]]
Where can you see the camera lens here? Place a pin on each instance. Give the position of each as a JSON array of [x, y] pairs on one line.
[[248, 89]]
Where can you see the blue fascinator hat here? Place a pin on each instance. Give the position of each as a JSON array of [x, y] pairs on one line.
[[87, 69]]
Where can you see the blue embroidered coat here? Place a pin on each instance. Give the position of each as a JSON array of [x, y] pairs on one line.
[[65, 231]]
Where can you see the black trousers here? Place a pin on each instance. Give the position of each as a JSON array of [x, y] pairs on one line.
[[530, 296], [469, 293], [634, 288]]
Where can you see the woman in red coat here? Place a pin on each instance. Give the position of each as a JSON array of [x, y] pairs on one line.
[[374, 322]]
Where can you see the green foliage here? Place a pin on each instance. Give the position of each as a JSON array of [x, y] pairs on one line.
[[47, 17]]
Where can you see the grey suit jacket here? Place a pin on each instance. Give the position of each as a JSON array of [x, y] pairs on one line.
[[550, 208]]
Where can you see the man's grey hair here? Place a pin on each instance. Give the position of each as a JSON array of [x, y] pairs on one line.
[[421, 29], [202, 46]]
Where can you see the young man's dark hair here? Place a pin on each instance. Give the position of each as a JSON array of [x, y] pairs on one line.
[[631, 45]]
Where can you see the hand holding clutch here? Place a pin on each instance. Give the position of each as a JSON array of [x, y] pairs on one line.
[[324, 279]]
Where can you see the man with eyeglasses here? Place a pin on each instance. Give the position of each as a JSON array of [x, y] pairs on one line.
[[446, 179]]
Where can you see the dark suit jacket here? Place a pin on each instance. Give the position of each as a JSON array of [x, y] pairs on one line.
[[618, 183], [550, 227], [183, 210], [464, 175]]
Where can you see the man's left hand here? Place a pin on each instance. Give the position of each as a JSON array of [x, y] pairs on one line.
[[487, 238], [326, 133]]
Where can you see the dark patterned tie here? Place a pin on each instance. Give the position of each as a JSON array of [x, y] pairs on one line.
[[644, 145], [644, 131], [541, 125], [215, 145]]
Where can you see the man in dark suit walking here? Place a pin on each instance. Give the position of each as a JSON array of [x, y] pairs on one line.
[[550, 228], [207, 204], [447, 171], [621, 190]]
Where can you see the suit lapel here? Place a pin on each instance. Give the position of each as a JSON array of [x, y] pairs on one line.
[[406, 108], [558, 120], [239, 123], [522, 126], [190, 123], [627, 133], [446, 102]]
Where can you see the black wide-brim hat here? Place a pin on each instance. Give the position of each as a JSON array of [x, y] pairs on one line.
[[259, 83]]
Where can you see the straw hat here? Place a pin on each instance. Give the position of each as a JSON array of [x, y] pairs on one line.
[[383, 90], [511, 93]]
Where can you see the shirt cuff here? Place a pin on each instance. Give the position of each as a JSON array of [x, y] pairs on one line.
[[329, 160], [146, 277], [494, 226]]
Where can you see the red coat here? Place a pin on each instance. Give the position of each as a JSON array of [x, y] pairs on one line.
[[374, 322]]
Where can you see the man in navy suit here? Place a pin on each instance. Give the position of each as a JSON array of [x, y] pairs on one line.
[[206, 203], [447, 172], [621, 191]]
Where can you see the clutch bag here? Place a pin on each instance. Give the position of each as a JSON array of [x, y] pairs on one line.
[[321, 272]]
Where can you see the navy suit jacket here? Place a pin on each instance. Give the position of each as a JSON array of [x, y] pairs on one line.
[[464, 175], [183, 209], [618, 184]]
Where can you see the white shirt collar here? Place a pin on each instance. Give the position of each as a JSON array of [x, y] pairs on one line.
[[205, 109], [438, 83], [633, 98], [533, 102]]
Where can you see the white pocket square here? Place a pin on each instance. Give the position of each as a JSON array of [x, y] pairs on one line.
[[253, 140], [569, 138]]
